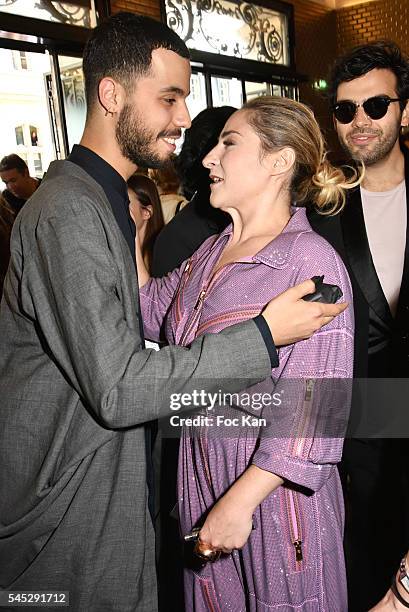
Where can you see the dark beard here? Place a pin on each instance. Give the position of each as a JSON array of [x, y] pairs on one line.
[[382, 149], [135, 140]]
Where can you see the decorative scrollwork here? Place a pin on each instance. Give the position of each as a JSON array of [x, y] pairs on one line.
[[230, 27], [66, 13], [61, 12], [271, 46], [249, 14], [179, 14]]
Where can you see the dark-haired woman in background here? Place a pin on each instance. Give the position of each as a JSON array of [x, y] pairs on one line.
[[146, 211], [168, 183], [197, 220], [178, 240]]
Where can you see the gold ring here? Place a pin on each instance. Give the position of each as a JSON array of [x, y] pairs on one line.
[[206, 554]]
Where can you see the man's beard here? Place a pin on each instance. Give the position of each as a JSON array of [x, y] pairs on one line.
[[378, 151], [135, 140]]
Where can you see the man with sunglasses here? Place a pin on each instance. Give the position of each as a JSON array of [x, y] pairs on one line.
[[368, 93]]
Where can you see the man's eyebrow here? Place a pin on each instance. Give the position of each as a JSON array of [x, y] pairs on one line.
[[175, 90], [378, 95], [228, 132]]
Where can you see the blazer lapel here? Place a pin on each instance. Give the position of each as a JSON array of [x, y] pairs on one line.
[[403, 304], [359, 255]]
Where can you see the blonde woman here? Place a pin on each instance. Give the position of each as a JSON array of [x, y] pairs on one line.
[[271, 502]]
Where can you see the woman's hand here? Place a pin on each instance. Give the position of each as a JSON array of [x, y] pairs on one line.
[[229, 523], [227, 526]]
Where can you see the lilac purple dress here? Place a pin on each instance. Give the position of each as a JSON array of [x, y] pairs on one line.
[[293, 559]]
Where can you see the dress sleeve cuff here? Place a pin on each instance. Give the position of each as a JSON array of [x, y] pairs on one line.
[[268, 339]]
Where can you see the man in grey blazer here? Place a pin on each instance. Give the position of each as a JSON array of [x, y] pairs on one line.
[[77, 387]]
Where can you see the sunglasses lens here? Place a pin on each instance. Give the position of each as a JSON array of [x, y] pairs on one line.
[[376, 107], [344, 112]]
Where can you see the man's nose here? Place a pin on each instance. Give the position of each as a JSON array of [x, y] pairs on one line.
[[361, 118], [182, 117]]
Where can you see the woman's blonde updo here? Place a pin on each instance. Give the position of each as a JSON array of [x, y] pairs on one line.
[[282, 122]]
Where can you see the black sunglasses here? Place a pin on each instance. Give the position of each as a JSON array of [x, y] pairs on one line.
[[375, 108]]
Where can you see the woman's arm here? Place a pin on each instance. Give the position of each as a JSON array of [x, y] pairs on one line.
[[229, 523], [302, 441], [143, 274]]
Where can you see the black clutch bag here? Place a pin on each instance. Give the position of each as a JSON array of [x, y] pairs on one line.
[[323, 292]]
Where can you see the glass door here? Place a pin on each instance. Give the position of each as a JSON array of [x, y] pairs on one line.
[[197, 101], [210, 88], [73, 94], [227, 91], [26, 128]]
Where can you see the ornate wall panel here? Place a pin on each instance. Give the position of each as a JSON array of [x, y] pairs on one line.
[[238, 29]]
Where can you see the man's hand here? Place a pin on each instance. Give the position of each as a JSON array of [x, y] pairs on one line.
[[291, 319]]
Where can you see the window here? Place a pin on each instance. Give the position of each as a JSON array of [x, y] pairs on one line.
[[23, 60], [19, 135], [20, 60], [226, 27], [75, 12], [226, 91], [38, 166], [30, 149], [33, 136], [197, 102]]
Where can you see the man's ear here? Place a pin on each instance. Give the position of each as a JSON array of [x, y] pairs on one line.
[[405, 115], [110, 95], [282, 161]]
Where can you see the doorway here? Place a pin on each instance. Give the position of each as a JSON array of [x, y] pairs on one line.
[[42, 105], [25, 127], [212, 87]]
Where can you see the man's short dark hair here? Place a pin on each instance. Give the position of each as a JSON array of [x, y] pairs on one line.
[[360, 60], [121, 47], [13, 161]]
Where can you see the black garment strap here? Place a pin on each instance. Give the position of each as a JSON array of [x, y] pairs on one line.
[[398, 596], [178, 205]]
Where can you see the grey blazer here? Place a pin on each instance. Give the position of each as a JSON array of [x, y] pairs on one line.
[[75, 390]]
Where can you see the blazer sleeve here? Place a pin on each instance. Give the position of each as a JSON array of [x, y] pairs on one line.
[[71, 288]]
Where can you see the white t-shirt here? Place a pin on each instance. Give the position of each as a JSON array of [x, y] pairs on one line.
[[385, 221]]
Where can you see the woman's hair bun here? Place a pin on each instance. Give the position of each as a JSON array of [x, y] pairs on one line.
[[329, 184]]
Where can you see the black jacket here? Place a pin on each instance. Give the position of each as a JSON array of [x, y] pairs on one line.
[[381, 341]]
